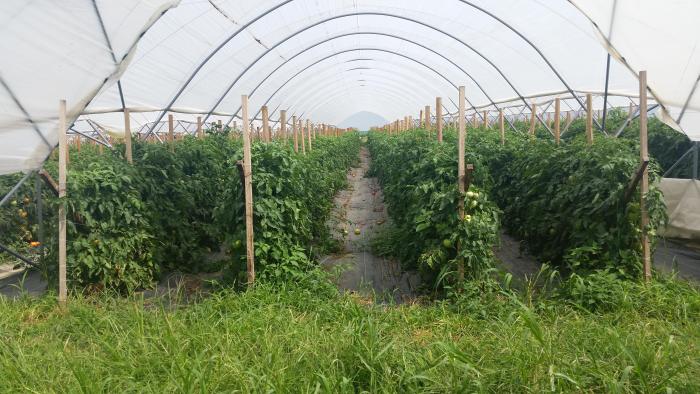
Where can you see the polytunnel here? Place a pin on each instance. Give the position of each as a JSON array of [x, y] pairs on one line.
[[325, 61]]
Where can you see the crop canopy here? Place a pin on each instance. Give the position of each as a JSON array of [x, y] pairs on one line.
[[326, 60]]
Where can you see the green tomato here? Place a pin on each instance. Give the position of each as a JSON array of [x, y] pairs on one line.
[[447, 243]]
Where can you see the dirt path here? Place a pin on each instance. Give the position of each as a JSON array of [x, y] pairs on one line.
[[361, 207]]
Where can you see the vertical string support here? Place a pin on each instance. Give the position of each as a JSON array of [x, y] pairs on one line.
[[438, 118], [557, 121], [461, 170], [589, 118], [248, 189], [644, 185], [62, 229]]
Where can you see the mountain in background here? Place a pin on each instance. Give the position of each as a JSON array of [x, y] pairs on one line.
[[363, 121]]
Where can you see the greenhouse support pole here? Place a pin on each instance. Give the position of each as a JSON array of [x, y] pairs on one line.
[[309, 131], [283, 124], [589, 119], [127, 137], [438, 118], [644, 153], [248, 186], [533, 119], [200, 131], [62, 231], [296, 134], [461, 170], [171, 132], [557, 120], [501, 124]]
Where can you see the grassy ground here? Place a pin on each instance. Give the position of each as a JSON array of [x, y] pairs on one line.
[[641, 338]]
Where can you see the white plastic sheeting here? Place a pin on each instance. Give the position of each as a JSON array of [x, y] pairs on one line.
[[682, 199], [328, 59], [53, 50]]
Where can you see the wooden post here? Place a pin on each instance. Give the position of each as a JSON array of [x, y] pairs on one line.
[[422, 119], [78, 142], [557, 120], [589, 118], [171, 132], [127, 136], [248, 186], [533, 119], [221, 126], [266, 124], [644, 186], [461, 170], [62, 229], [283, 124], [200, 130], [309, 132], [428, 124], [501, 123], [303, 137], [438, 118], [486, 119], [295, 130]]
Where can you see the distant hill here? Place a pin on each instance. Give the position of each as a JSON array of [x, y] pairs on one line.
[[363, 121]]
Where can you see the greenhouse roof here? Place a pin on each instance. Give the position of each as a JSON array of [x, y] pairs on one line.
[[328, 59]]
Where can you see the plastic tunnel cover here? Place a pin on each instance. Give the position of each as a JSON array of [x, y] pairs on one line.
[[325, 60]]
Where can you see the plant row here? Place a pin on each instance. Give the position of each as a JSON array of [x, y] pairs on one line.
[[177, 209]]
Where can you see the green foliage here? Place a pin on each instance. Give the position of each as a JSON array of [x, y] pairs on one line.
[[419, 177], [567, 204]]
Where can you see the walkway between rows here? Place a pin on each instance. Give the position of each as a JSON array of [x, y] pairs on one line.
[[358, 215]]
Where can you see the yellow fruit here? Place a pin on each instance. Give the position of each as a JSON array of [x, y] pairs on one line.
[[357, 231], [467, 218]]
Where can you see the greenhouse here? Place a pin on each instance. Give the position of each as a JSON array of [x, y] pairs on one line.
[[350, 196]]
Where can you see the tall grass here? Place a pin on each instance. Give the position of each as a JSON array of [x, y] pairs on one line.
[[289, 339]]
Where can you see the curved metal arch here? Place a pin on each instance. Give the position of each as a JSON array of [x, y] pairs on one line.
[[278, 6], [378, 34], [322, 89], [332, 18], [395, 83], [354, 50]]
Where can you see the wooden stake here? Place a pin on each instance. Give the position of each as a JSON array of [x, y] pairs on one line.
[[474, 123], [557, 121], [283, 124], [486, 119], [303, 137], [438, 118], [295, 130], [266, 124], [501, 123], [428, 124], [589, 118], [127, 136], [200, 131], [422, 119], [644, 186], [78, 142], [62, 176], [309, 132], [533, 119], [248, 186], [171, 132], [461, 169]]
